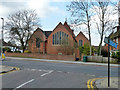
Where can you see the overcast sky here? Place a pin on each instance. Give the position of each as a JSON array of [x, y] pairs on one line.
[[51, 12]]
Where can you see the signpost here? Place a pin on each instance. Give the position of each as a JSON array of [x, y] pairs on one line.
[[110, 43]]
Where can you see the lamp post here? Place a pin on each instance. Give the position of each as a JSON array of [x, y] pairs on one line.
[[2, 35]]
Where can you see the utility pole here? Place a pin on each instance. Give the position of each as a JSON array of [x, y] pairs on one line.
[[2, 36], [108, 63]]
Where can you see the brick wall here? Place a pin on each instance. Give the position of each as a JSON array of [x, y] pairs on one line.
[[82, 37], [119, 43], [32, 41], [42, 56], [54, 49]]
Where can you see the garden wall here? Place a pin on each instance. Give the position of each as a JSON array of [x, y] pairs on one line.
[[42, 56], [100, 59]]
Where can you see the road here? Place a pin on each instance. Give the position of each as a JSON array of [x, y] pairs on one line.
[[37, 74]]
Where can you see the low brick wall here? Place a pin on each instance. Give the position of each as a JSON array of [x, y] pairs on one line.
[[42, 56]]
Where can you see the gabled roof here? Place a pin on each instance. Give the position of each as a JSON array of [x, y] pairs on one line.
[[47, 33], [116, 34], [83, 35], [70, 30], [7, 44]]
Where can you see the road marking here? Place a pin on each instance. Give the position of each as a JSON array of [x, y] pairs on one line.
[[33, 69], [38, 70], [59, 71], [16, 69], [46, 73], [24, 84], [90, 83]]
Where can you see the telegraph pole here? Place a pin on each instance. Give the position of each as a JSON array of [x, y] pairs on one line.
[[2, 35], [108, 63]]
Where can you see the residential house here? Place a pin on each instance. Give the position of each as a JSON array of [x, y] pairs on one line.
[[115, 36], [8, 45]]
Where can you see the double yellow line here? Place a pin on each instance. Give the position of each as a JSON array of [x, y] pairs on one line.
[[15, 69], [90, 83]]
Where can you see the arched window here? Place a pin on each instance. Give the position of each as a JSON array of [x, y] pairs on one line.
[[38, 41], [80, 42], [59, 38]]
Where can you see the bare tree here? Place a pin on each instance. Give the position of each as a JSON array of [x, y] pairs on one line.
[[104, 23], [20, 25], [81, 14]]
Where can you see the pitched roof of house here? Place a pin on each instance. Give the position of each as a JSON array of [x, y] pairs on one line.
[[7, 44], [69, 29], [47, 33], [83, 35], [116, 34]]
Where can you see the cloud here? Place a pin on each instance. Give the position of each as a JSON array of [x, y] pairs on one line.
[[43, 7]]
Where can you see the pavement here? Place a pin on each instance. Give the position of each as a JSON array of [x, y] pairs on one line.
[[61, 61], [103, 83]]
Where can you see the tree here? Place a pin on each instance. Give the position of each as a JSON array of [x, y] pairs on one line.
[[20, 26], [81, 15], [86, 49], [104, 23]]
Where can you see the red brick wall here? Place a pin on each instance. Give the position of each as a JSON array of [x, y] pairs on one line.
[[42, 56], [119, 43], [80, 36], [53, 49], [32, 41], [112, 48]]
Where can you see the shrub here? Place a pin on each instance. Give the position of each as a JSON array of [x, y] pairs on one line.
[[7, 49], [118, 55], [104, 53], [27, 51], [17, 51], [113, 55], [86, 49]]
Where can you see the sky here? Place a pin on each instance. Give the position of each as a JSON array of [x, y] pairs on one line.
[[50, 12]]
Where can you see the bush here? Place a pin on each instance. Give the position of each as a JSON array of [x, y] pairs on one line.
[[17, 51], [118, 55], [104, 53], [113, 55], [7, 49], [86, 49], [27, 51]]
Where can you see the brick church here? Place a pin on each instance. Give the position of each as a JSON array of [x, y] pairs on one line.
[[61, 40]]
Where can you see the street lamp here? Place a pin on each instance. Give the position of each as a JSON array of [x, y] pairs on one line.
[[2, 35]]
